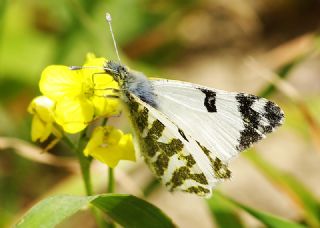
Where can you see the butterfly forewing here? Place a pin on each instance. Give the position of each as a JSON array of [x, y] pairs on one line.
[[224, 122], [181, 162]]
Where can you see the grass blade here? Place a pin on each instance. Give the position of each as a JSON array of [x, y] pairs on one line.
[[289, 185], [266, 218], [224, 212]]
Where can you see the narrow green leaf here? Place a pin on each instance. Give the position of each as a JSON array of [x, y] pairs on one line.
[[224, 212], [268, 219], [290, 185], [283, 73], [53, 210], [129, 211]]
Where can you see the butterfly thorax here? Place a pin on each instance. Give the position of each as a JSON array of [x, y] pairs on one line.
[[132, 82]]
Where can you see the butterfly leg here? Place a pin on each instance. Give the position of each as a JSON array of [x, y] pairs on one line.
[[112, 96]]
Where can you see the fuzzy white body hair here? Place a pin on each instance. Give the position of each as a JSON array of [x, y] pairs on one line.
[[138, 84], [133, 82]]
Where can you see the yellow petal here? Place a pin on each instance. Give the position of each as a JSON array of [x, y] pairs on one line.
[[109, 145], [109, 156], [42, 107], [103, 81], [93, 73], [120, 142], [42, 122], [106, 106], [102, 85], [95, 141], [58, 82], [74, 114], [112, 135], [127, 147], [92, 60], [40, 130], [98, 76]]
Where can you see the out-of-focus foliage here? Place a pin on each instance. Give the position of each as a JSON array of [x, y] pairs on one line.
[[224, 210], [294, 189], [206, 42]]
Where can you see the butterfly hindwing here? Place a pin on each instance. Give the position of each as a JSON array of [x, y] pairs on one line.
[[224, 122], [178, 160]]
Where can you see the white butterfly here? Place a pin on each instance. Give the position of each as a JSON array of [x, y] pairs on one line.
[[188, 133]]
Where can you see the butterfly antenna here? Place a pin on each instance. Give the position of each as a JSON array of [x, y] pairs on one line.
[[108, 18]]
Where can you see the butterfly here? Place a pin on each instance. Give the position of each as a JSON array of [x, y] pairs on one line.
[[188, 133]]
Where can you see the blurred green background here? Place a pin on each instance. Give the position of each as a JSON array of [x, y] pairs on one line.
[[267, 47]]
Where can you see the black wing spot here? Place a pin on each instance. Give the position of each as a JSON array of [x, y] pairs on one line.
[[182, 134], [273, 114], [251, 120], [249, 115], [248, 136], [210, 100], [254, 129]]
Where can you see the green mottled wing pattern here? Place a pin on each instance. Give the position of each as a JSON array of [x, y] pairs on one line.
[[179, 161]]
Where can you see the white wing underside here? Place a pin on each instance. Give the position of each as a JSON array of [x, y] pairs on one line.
[[202, 169], [219, 131], [190, 148], [192, 131]]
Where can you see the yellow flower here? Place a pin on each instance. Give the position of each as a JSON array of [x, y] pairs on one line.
[[109, 145], [103, 106], [43, 120], [80, 95]]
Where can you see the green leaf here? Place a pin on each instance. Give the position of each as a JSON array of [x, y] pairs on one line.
[[268, 219], [294, 189], [53, 210], [127, 210], [224, 212]]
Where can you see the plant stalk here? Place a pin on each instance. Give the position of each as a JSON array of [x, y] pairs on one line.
[[110, 180]]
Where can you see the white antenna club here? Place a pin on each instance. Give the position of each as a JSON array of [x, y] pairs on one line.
[[108, 18]]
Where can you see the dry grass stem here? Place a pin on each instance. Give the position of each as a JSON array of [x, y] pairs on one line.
[[31, 152]]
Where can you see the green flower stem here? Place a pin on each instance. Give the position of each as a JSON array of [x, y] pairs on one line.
[[110, 189], [85, 166], [85, 170], [68, 142], [85, 163], [110, 180], [83, 160]]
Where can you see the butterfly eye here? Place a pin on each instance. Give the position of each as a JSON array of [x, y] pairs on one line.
[[122, 69]]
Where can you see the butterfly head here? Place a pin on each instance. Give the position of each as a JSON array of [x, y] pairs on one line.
[[118, 71]]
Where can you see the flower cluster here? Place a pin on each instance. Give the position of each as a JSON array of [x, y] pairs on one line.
[[71, 100]]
